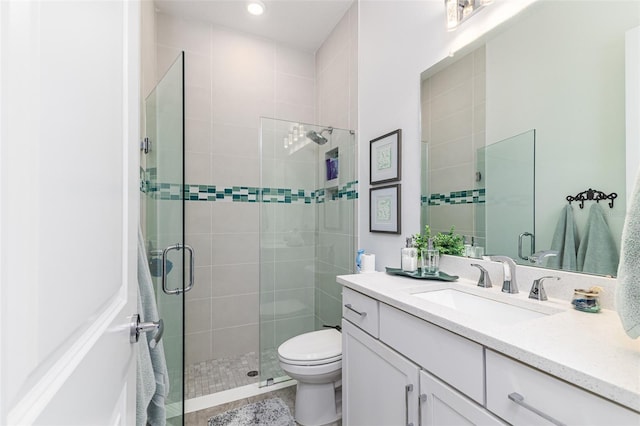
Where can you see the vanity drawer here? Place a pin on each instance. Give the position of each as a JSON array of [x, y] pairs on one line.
[[550, 396], [453, 359], [361, 310]]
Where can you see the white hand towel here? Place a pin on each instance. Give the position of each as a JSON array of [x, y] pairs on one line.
[[627, 297]]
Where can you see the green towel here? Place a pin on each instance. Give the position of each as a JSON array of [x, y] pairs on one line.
[[565, 242], [598, 253], [155, 408], [627, 297]]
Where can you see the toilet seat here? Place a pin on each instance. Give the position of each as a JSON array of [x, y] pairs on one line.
[[314, 348]]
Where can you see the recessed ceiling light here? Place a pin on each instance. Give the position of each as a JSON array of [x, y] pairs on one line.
[[256, 7]]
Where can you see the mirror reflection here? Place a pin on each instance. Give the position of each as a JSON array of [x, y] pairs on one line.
[[553, 75]]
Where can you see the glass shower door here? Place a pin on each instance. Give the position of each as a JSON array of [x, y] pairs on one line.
[[163, 208]]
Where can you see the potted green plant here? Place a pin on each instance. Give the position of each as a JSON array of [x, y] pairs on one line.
[[446, 243]]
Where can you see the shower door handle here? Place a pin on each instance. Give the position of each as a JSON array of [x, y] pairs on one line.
[[533, 244], [178, 247]]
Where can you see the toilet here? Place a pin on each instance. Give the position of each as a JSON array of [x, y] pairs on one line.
[[315, 360]]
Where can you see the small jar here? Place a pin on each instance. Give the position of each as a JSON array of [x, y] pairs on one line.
[[587, 300]]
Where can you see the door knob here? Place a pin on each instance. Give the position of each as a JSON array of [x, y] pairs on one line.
[[136, 327]]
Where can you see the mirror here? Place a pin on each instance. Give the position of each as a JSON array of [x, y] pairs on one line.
[[558, 69]]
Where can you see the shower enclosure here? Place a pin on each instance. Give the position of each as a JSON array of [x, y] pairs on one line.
[[307, 231], [163, 216]]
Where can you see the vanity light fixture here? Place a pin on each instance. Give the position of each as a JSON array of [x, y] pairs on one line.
[[456, 11], [256, 7]]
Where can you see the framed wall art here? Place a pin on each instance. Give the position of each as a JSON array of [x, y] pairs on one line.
[[384, 156], [384, 209]]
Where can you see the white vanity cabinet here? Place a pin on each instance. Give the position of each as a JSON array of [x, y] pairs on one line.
[[523, 395], [401, 368], [379, 386], [382, 387]]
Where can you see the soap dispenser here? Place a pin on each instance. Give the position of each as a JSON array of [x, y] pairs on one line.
[[409, 257], [430, 259]]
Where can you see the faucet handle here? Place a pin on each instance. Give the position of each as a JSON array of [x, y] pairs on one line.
[[484, 280], [537, 289]]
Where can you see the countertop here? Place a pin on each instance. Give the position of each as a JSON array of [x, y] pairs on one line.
[[588, 350]]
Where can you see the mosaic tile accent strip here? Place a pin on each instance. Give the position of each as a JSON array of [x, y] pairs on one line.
[[469, 196], [287, 196], [243, 194], [247, 194]]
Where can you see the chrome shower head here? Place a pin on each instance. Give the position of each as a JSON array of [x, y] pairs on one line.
[[317, 136]]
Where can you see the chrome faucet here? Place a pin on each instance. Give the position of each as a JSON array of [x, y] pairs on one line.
[[509, 284], [538, 257], [537, 289], [484, 280]]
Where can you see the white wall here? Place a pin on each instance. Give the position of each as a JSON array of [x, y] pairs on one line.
[[397, 41]]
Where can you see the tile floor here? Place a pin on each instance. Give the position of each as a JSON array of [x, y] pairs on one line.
[[221, 374], [288, 395]]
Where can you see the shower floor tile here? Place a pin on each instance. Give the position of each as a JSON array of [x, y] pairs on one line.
[[222, 374]]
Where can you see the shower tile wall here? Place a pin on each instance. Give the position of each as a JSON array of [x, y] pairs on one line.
[[231, 80], [454, 95], [337, 106]]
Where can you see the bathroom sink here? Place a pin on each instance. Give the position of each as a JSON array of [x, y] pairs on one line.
[[482, 307]]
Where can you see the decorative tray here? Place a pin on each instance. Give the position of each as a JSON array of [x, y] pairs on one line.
[[440, 276]]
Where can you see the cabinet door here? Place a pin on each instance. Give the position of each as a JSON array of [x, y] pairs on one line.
[[441, 405], [379, 387]]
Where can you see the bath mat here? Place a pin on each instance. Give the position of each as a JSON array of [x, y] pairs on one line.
[[271, 412]]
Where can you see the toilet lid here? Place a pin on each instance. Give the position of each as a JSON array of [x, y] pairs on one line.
[[317, 347]]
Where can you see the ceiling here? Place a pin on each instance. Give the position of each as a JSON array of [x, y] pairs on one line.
[[304, 24]]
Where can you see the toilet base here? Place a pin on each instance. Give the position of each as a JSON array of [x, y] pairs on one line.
[[316, 404]]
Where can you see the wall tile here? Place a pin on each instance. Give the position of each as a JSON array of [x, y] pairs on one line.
[[294, 274], [295, 62], [235, 248], [235, 340], [453, 127], [233, 311], [452, 101], [201, 284], [236, 218], [198, 171], [165, 57], [448, 179], [197, 347], [201, 244], [454, 75], [294, 112], [240, 109], [197, 103], [197, 70], [228, 280], [182, 34], [295, 90], [228, 139], [235, 171], [198, 217], [197, 135], [197, 315], [451, 154]]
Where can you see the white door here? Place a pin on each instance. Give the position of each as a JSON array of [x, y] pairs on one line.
[[69, 201]]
